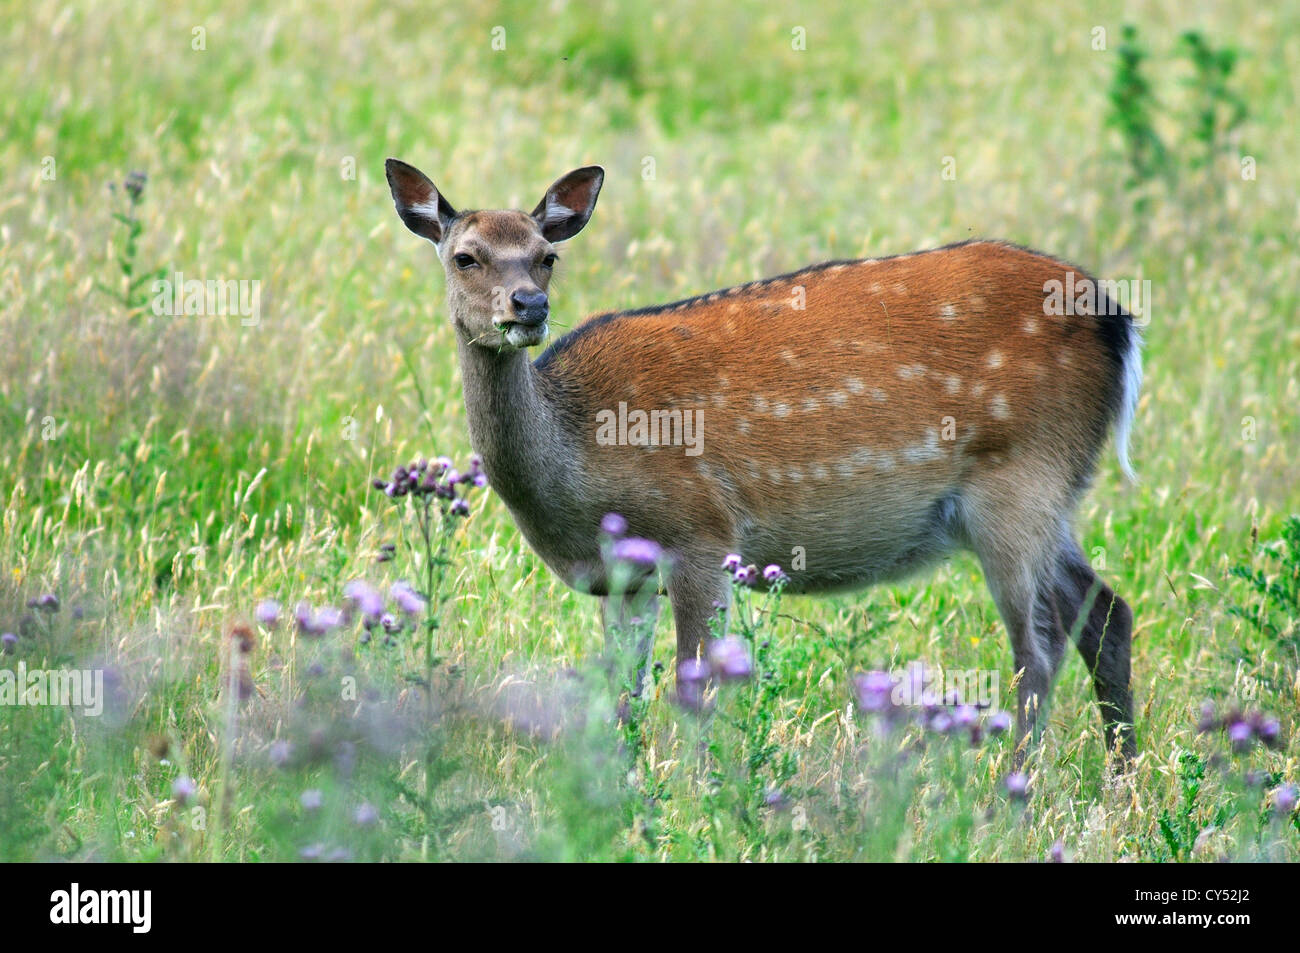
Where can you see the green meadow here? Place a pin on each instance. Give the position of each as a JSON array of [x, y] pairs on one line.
[[162, 473]]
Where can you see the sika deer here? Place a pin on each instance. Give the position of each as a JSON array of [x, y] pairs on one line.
[[878, 413]]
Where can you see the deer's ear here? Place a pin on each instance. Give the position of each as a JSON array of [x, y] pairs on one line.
[[569, 203], [419, 203]]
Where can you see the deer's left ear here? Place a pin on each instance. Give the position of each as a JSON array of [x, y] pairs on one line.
[[569, 203]]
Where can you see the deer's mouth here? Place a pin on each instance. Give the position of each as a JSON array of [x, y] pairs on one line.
[[524, 334]]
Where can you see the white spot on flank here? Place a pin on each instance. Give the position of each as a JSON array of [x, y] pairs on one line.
[[977, 389], [920, 452], [819, 471], [875, 288], [977, 302], [998, 407], [845, 470], [723, 382], [781, 410], [774, 476], [948, 312], [811, 405], [719, 400], [796, 475], [1063, 357], [908, 371], [878, 395], [787, 356], [1030, 326], [743, 426], [952, 384], [900, 288], [854, 385], [838, 398], [995, 358], [760, 404]]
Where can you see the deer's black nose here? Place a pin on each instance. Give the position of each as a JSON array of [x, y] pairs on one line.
[[531, 307]]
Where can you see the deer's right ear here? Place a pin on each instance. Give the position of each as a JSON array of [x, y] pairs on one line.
[[419, 203]]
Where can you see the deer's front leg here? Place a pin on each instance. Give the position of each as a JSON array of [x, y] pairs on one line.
[[699, 590]]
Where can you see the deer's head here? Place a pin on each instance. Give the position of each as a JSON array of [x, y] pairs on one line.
[[498, 263]]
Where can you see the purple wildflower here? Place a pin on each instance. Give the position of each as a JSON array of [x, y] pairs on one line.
[[365, 597], [459, 507], [8, 642], [280, 753], [406, 598], [641, 552], [999, 722], [183, 789], [773, 573], [1057, 852], [732, 562], [747, 575], [1207, 720], [48, 602], [614, 524], [312, 799], [1241, 735], [1284, 798], [268, 613], [365, 815], [391, 623], [730, 658], [1018, 786], [874, 690]]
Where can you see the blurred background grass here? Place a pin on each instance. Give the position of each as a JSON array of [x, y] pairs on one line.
[[132, 443]]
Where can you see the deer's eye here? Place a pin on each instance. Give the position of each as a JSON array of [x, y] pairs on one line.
[[464, 261], [550, 260]]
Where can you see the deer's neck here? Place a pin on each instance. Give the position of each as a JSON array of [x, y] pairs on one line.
[[530, 458]]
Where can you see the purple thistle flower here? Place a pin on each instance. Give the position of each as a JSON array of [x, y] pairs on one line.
[[183, 789], [1018, 786], [391, 623], [8, 642], [640, 552], [280, 753], [268, 613], [1207, 720], [941, 722], [692, 676], [1056, 854], [452, 477], [773, 573], [693, 671], [613, 524], [1269, 731], [1284, 798], [999, 722], [442, 464], [964, 716], [312, 799], [1241, 735], [730, 658], [747, 575], [480, 480], [874, 690], [406, 598], [311, 852], [365, 596], [459, 507], [365, 815], [48, 602], [732, 562]]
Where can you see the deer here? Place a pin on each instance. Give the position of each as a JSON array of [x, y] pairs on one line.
[[880, 414]]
